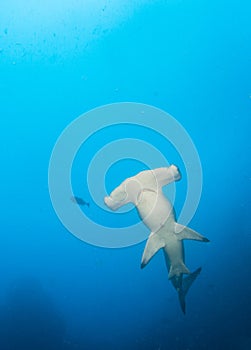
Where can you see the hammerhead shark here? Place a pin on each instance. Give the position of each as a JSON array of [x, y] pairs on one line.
[[144, 190]]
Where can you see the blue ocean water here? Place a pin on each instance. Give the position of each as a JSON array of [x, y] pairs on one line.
[[61, 59]]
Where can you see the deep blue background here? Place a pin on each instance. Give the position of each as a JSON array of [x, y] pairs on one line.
[[192, 59]]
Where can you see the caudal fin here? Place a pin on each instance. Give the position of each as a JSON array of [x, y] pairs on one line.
[[186, 284]]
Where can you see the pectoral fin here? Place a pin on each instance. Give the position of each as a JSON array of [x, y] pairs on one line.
[[153, 244], [183, 232]]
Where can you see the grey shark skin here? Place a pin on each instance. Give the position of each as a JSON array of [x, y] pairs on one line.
[[144, 190]]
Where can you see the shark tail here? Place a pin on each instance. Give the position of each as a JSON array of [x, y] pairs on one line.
[[185, 286]]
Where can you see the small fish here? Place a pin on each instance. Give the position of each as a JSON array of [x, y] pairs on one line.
[[79, 201]]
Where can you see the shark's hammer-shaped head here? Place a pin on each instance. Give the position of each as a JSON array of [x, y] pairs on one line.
[[117, 198], [127, 192]]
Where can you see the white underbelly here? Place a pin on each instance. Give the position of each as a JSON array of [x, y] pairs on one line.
[[154, 209]]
